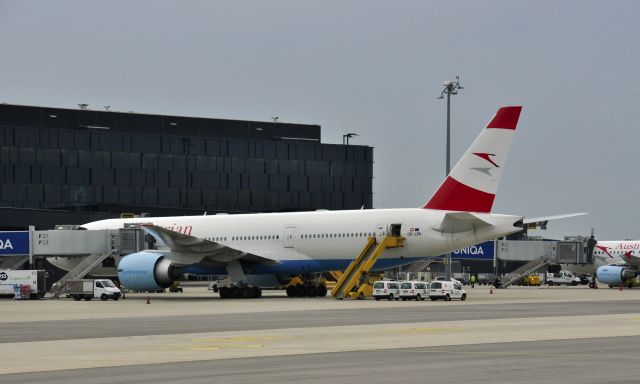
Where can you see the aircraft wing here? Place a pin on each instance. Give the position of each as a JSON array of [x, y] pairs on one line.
[[186, 244], [455, 222]]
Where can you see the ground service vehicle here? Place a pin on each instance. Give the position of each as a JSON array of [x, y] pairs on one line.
[[447, 290], [362, 292], [562, 278], [384, 289], [532, 280], [34, 279], [175, 287], [414, 290], [88, 289]]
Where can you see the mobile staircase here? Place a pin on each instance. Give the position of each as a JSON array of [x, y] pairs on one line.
[[419, 266], [79, 271], [363, 264], [13, 262], [526, 269]]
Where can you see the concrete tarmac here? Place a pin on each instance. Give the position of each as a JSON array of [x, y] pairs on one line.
[[509, 336], [575, 361]]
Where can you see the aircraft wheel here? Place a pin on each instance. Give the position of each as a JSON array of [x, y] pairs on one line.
[[322, 290], [291, 291], [300, 291], [257, 292], [312, 291], [246, 292], [234, 292], [223, 291]]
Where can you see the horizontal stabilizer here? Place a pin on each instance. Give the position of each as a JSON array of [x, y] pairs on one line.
[[542, 222], [555, 217], [455, 222]]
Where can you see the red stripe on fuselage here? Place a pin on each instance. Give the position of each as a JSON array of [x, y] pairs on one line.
[[506, 118], [455, 196]]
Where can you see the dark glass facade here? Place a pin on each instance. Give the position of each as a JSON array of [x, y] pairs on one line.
[[104, 163]]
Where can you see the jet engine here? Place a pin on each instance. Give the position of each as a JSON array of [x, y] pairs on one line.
[[614, 275], [146, 271]]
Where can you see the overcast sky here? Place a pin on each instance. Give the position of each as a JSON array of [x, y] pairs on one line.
[[374, 68]]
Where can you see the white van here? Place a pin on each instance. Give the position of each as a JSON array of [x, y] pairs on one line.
[[385, 289], [88, 289], [447, 290], [414, 290]]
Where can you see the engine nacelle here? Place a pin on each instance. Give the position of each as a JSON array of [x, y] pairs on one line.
[[608, 274], [146, 271]]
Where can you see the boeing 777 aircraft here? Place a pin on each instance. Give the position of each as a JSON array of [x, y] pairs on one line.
[[267, 249]]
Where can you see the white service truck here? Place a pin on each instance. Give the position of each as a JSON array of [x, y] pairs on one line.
[[88, 289], [562, 278], [11, 278]]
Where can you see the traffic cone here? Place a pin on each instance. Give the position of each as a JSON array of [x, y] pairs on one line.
[[148, 301]]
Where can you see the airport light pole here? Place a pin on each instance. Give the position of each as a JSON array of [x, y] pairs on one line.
[[450, 88]]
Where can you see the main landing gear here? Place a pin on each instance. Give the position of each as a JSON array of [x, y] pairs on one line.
[[307, 290], [240, 292]]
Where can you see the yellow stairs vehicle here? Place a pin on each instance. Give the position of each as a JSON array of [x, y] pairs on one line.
[[331, 277], [363, 264]]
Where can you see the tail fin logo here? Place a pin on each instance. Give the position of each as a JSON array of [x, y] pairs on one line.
[[605, 250], [485, 156]]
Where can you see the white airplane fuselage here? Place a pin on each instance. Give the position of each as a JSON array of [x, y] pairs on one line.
[[611, 252], [324, 240]]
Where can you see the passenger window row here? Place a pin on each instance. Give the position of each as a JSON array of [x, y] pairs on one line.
[[244, 238], [304, 236], [335, 235]]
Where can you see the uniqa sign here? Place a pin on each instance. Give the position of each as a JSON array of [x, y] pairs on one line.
[[6, 244], [472, 250], [482, 251], [14, 243]]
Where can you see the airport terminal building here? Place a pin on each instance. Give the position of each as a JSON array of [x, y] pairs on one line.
[[72, 166]]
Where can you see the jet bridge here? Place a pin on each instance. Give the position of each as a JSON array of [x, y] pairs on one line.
[[363, 264], [539, 253], [89, 247]]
